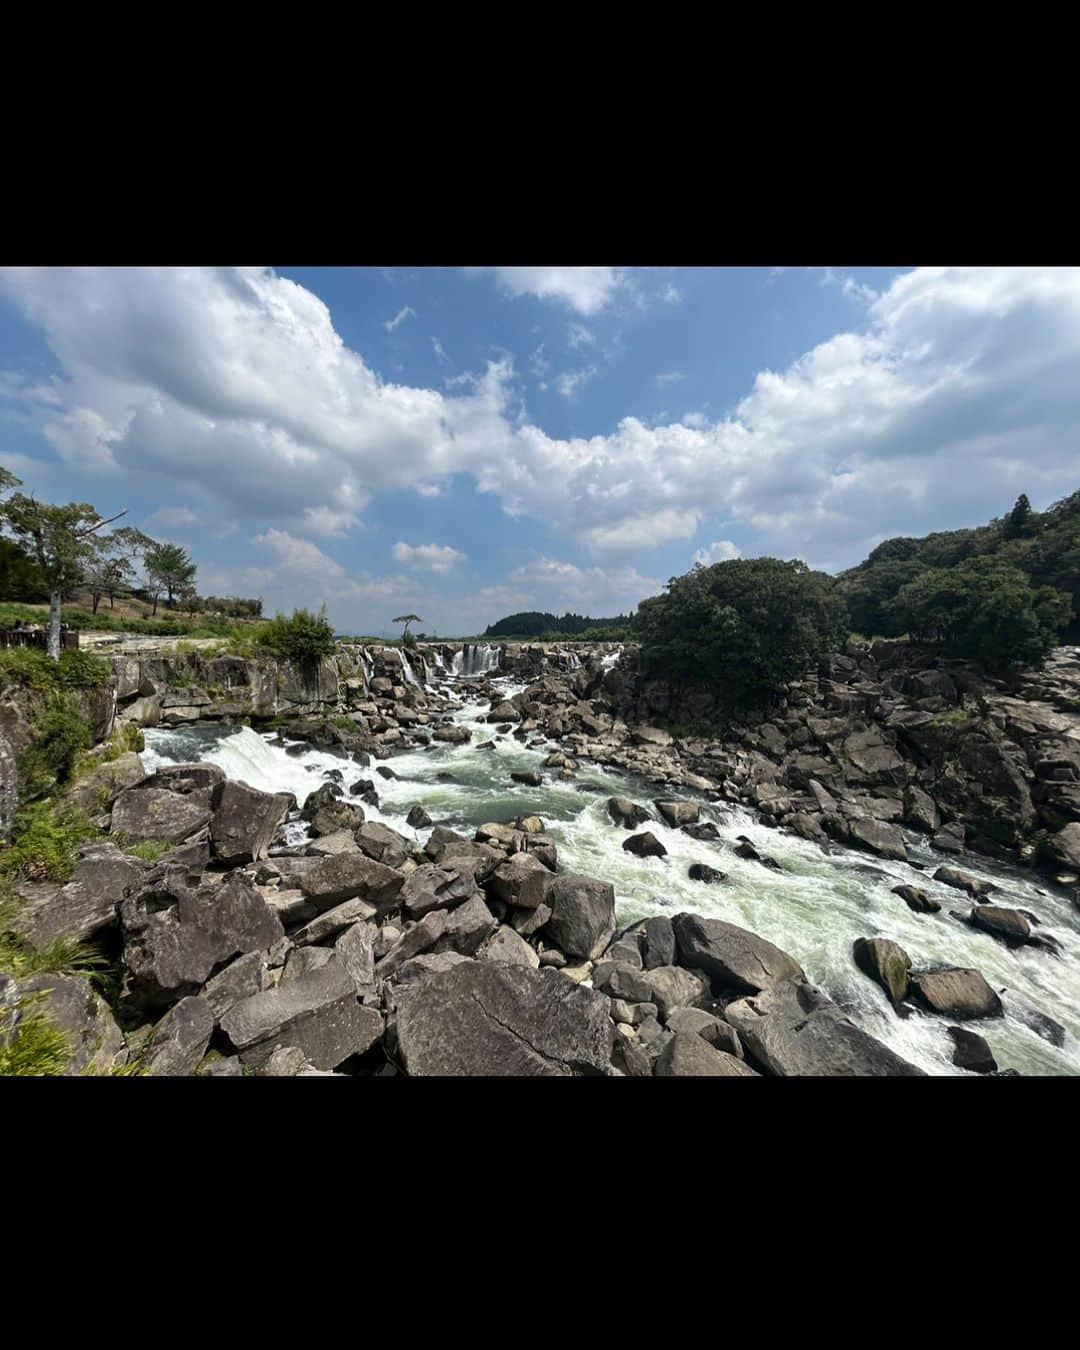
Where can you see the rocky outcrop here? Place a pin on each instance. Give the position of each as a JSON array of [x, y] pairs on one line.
[[734, 959]]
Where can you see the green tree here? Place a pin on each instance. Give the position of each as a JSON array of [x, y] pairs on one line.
[[61, 541], [110, 569], [406, 619], [170, 569], [986, 610], [747, 626], [869, 592], [302, 637], [20, 576]]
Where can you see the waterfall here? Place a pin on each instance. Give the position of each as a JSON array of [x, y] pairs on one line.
[[611, 659], [476, 658], [366, 667], [406, 669]]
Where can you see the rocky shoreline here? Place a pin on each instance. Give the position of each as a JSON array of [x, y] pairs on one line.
[[364, 952]]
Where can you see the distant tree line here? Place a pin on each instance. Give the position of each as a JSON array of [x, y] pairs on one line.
[[533, 624]]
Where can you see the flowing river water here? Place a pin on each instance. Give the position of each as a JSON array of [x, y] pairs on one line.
[[813, 909]]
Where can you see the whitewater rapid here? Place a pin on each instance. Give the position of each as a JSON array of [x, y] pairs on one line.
[[814, 909]]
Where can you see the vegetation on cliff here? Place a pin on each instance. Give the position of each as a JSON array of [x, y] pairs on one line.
[[746, 626], [549, 628]]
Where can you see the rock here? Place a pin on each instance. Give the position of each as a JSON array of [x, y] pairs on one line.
[[418, 818], [453, 735], [971, 1052], [950, 839], [290, 906], [702, 872], [333, 921], [701, 1023], [341, 841], [355, 949], [631, 1058], [423, 967], [949, 876], [506, 945], [508, 879], [956, 993], [920, 811], [200, 781], [436, 886], [886, 963], [143, 812], [180, 1040], [688, 1055], [95, 1044], [349, 875], [218, 1066], [245, 822], [1007, 924], [174, 937], [644, 845], [301, 960], [487, 1018], [582, 919], [317, 1014], [552, 957], [879, 837], [734, 958], [247, 975], [626, 813], [529, 777], [1042, 1025], [670, 988], [96, 791], [468, 926], [679, 813], [793, 1029], [326, 813], [1064, 846], [384, 771], [705, 831], [529, 921], [917, 899], [651, 736], [419, 938], [102, 878]]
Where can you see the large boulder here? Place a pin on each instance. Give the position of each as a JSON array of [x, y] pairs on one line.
[[1064, 846], [962, 994], [507, 945], [1007, 924], [627, 813], [347, 875], [645, 845], [878, 837], [102, 878], [658, 948], [326, 813], [670, 988], [180, 1040], [142, 812], [467, 927], [679, 813], [382, 843], [971, 1051], [509, 878], [962, 881], [96, 791], [245, 822], [317, 1013], [491, 1019], [793, 1029], [886, 963], [688, 1055], [582, 908], [734, 958], [70, 1002], [174, 937], [436, 886], [917, 899]]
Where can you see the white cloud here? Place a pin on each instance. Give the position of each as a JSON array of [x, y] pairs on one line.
[[585, 289], [299, 556], [669, 377], [956, 391], [694, 419], [439, 350], [558, 586], [721, 550], [671, 294], [571, 382], [579, 336], [172, 515], [406, 312], [432, 557]]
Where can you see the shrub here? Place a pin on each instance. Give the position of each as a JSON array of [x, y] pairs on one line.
[[61, 734], [26, 668], [747, 626], [44, 841], [81, 670], [301, 637]]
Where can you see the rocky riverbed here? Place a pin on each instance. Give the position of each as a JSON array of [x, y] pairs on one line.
[[482, 876]]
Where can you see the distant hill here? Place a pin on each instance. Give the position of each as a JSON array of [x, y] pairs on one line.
[[533, 624], [1043, 544]]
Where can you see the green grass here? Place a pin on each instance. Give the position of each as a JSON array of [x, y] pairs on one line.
[[63, 957], [149, 850], [31, 668], [44, 840], [38, 1047]]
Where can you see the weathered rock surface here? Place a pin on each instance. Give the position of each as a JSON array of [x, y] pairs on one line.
[[180, 1039], [155, 813], [245, 822], [886, 963], [956, 993], [95, 1043], [351, 875], [491, 1019], [688, 1055], [102, 878], [582, 919], [732, 957]]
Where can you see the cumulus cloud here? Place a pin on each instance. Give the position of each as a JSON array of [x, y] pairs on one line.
[[720, 550], [406, 312], [571, 382], [555, 585], [299, 556], [172, 515], [956, 392], [433, 557], [585, 289]]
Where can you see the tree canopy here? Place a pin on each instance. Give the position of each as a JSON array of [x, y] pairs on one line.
[[746, 626]]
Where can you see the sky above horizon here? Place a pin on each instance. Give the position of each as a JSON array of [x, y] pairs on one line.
[[467, 442]]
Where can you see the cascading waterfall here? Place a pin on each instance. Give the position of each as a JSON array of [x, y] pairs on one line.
[[611, 660], [406, 668], [476, 658]]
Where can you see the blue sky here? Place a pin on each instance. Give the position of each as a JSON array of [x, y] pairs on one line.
[[465, 442]]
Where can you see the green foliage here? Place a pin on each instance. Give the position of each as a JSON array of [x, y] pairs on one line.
[[747, 626], [984, 609], [408, 641], [44, 840], [63, 957], [20, 575], [37, 1048], [548, 628], [26, 668], [149, 850], [301, 637], [169, 568], [61, 734], [82, 670]]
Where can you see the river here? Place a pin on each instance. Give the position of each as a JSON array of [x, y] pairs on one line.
[[814, 908]]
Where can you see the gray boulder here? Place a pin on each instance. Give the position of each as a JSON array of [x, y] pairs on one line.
[[659, 946], [94, 793], [141, 813], [468, 926], [644, 845], [971, 1051], [326, 813], [627, 813], [102, 878], [488, 1018], [95, 1043], [688, 1055], [351, 875], [317, 1014], [245, 822], [382, 843], [886, 963], [355, 950], [180, 1040], [962, 994], [507, 945], [248, 974], [917, 899], [671, 987], [437, 886], [963, 881], [679, 813], [419, 938], [732, 957], [1009, 925], [334, 921], [582, 919]]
